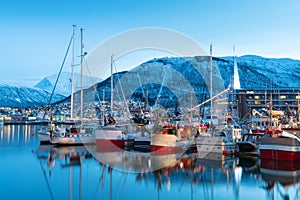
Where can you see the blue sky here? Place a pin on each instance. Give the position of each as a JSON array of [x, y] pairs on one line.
[[35, 33]]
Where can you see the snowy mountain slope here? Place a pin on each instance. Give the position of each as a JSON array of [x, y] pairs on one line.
[[175, 80], [157, 76], [64, 83], [18, 96], [21, 82], [259, 72]]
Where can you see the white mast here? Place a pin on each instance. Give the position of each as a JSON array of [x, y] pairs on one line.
[[73, 64], [298, 111], [111, 86], [271, 106], [81, 71], [102, 107], [211, 102]]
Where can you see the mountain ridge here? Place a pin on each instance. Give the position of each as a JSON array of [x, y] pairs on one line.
[[254, 72]]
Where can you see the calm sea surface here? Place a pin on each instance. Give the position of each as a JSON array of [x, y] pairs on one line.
[[29, 170]]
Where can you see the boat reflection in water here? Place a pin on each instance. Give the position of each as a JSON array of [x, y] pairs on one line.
[[173, 172], [53, 160], [202, 177], [183, 175], [133, 161], [74, 172], [282, 178]]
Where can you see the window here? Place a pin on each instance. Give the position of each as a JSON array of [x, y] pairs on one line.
[[282, 97], [256, 102]]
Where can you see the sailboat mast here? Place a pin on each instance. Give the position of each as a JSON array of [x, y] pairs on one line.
[[211, 102], [111, 85], [271, 105], [298, 110], [73, 64], [102, 107], [81, 71], [146, 106]]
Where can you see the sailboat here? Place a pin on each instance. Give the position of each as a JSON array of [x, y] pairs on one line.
[[74, 135], [214, 143], [111, 135], [45, 134]]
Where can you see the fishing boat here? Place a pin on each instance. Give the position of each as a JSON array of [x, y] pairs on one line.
[[112, 133], [171, 139], [218, 143], [165, 140], [280, 145], [249, 146], [109, 136]]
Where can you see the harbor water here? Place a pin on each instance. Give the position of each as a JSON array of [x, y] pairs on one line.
[[29, 170]]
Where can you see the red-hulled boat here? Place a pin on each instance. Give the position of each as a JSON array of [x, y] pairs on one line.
[[170, 139], [112, 136], [280, 145]]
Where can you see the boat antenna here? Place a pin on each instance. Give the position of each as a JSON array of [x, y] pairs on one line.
[[81, 71], [111, 85], [298, 110], [271, 105], [211, 102], [73, 64]]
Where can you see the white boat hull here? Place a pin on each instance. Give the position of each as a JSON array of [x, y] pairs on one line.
[[44, 137], [167, 143], [78, 139], [110, 136], [215, 145]]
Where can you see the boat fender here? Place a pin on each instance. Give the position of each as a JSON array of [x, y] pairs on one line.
[[62, 134]]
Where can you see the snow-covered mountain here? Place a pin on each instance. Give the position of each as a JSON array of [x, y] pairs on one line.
[[64, 83], [21, 82], [176, 79], [260, 72], [19, 96]]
